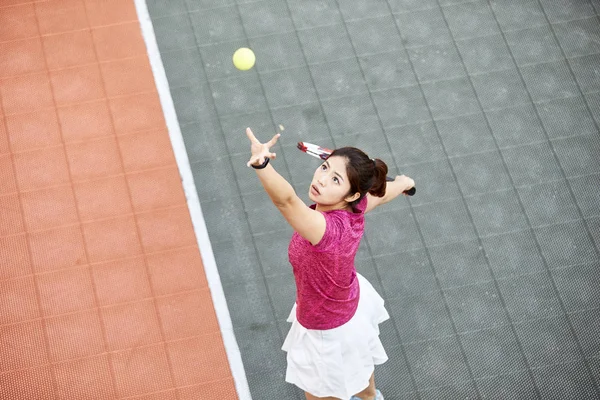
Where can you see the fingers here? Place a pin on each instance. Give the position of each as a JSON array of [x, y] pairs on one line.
[[272, 142], [251, 136]]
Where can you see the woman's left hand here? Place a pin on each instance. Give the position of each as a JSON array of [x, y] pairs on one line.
[[260, 151]]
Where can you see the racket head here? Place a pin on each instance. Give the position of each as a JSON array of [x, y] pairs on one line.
[[314, 150]]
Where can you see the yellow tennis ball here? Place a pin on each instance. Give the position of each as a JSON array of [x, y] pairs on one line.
[[244, 59]]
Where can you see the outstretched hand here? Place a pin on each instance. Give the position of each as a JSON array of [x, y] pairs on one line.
[[260, 151]]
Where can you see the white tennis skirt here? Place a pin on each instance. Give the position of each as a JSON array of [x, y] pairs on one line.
[[338, 362]]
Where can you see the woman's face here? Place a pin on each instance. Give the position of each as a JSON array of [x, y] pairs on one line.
[[330, 185]]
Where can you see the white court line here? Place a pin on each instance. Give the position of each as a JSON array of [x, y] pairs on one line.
[[208, 258]]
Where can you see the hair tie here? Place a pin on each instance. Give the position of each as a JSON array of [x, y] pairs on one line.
[[374, 163]]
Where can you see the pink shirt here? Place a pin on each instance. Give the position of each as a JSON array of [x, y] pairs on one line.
[[327, 289]]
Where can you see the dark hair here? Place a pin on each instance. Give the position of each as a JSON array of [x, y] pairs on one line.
[[365, 175]]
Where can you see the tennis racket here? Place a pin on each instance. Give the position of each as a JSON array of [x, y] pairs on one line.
[[323, 153]]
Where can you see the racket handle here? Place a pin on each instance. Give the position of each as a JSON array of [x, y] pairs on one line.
[[409, 192]]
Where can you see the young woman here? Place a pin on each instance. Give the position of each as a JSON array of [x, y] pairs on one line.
[[333, 344]]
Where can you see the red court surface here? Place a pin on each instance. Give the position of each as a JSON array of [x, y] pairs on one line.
[[102, 289]]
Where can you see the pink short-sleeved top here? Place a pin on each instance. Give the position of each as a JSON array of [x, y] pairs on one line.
[[327, 290]]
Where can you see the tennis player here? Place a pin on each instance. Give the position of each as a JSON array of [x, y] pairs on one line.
[[333, 344]]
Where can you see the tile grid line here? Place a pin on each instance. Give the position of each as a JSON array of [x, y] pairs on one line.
[[416, 388], [548, 271], [505, 167], [80, 224], [139, 240], [507, 315], [36, 284], [236, 182], [194, 207]]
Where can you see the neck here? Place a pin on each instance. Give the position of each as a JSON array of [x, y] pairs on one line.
[[330, 207]]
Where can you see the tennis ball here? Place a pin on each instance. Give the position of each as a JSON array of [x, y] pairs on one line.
[[244, 59]]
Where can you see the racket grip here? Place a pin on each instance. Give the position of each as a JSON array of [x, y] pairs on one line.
[[409, 192]]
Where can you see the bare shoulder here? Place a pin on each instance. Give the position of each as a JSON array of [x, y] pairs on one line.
[[309, 223]]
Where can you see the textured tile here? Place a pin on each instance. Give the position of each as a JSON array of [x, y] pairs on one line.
[[24, 345], [66, 291], [363, 9], [353, 114], [389, 230], [578, 154], [271, 250], [335, 79], [566, 380], [471, 19], [184, 315], [194, 103], [515, 385], [586, 324], [248, 303], [437, 363], [142, 324], [500, 89], [104, 198], [183, 67], [465, 390], [515, 126], [174, 32], [566, 117], [74, 336], [436, 62], [548, 203], [496, 213], [217, 25], [314, 13], [513, 254], [87, 377], [395, 377], [421, 139], [423, 27], [586, 72], [387, 70], [454, 227], [290, 87], [277, 52], [459, 264], [403, 6], [237, 261], [549, 81], [144, 370], [578, 286], [328, 43], [420, 317], [518, 14], [229, 99], [260, 344], [533, 45], [407, 273], [265, 17], [480, 173], [282, 292], [566, 244], [547, 341], [529, 297], [451, 98], [465, 135], [565, 10], [158, 8], [121, 281], [485, 54], [587, 195], [401, 106], [531, 164], [501, 348], [476, 307], [435, 179], [374, 35], [205, 144]]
